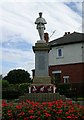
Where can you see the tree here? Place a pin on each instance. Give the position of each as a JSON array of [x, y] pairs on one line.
[[18, 76], [5, 83]]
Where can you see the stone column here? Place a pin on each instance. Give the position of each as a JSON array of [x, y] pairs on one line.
[[41, 50]]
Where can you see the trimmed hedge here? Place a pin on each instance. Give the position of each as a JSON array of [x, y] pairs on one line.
[[72, 90], [13, 91], [10, 94]]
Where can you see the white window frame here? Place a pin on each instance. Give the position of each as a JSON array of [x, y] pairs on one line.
[[66, 79], [57, 71], [60, 48]]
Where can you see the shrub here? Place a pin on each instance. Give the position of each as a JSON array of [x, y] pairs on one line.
[[64, 86], [23, 87], [5, 84], [13, 87], [79, 89], [10, 94], [65, 89]]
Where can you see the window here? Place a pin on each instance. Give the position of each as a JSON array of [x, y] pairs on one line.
[[57, 76], [60, 52], [66, 79]]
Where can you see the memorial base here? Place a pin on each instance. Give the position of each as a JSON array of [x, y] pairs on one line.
[[42, 97], [42, 88]]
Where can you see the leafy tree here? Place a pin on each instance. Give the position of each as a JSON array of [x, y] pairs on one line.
[[18, 76], [5, 83]]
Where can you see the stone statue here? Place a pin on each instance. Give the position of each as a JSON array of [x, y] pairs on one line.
[[40, 25]]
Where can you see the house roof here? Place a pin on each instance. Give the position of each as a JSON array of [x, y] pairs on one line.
[[72, 38]]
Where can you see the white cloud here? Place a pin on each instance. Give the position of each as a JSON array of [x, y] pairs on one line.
[[18, 17], [16, 55], [42, 1], [20, 58]]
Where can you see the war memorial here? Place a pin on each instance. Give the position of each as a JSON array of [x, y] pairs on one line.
[[41, 89]]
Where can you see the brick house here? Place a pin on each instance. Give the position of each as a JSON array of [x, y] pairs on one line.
[[66, 58]]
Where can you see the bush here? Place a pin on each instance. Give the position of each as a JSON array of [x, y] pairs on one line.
[[13, 87], [10, 94], [13, 91], [72, 90], [23, 87], [5, 84], [63, 87], [79, 89]]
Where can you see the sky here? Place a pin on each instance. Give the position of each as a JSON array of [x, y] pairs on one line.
[[18, 31]]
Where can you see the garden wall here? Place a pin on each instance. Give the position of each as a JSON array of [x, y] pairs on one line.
[[42, 97]]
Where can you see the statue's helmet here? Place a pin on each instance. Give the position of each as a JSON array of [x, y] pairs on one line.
[[40, 13]]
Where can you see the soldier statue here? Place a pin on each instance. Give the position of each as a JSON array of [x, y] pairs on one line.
[[41, 26]]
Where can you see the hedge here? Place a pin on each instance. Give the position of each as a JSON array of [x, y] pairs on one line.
[[10, 94], [71, 90]]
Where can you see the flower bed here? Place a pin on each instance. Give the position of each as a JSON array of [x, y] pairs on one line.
[[56, 110]]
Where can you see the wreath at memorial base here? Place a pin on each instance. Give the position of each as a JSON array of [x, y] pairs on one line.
[[42, 89]]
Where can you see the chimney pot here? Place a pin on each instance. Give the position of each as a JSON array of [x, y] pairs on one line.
[[65, 34], [68, 32]]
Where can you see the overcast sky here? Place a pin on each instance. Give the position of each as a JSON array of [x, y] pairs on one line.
[[18, 32]]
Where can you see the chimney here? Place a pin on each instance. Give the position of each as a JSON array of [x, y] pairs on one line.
[[46, 37], [66, 33]]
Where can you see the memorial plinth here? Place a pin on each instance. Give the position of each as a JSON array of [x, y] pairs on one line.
[[41, 50], [42, 80]]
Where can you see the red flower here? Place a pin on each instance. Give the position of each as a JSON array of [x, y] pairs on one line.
[[9, 111], [31, 111], [38, 112], [21, 114], [68, 116], [38, 118], [59, 111], [47, 114], [54, 110], [18, 107], [9, 114], [45, 111], [4, 104], [59, 118], [26, 119], [32, 117]]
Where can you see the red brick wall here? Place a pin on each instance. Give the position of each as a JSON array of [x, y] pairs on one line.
[[74, 71]]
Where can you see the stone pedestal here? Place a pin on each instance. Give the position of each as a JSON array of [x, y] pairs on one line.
[[42, 80], [41, 50]]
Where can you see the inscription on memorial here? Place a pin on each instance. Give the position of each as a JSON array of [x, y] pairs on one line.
[[41, 62]]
